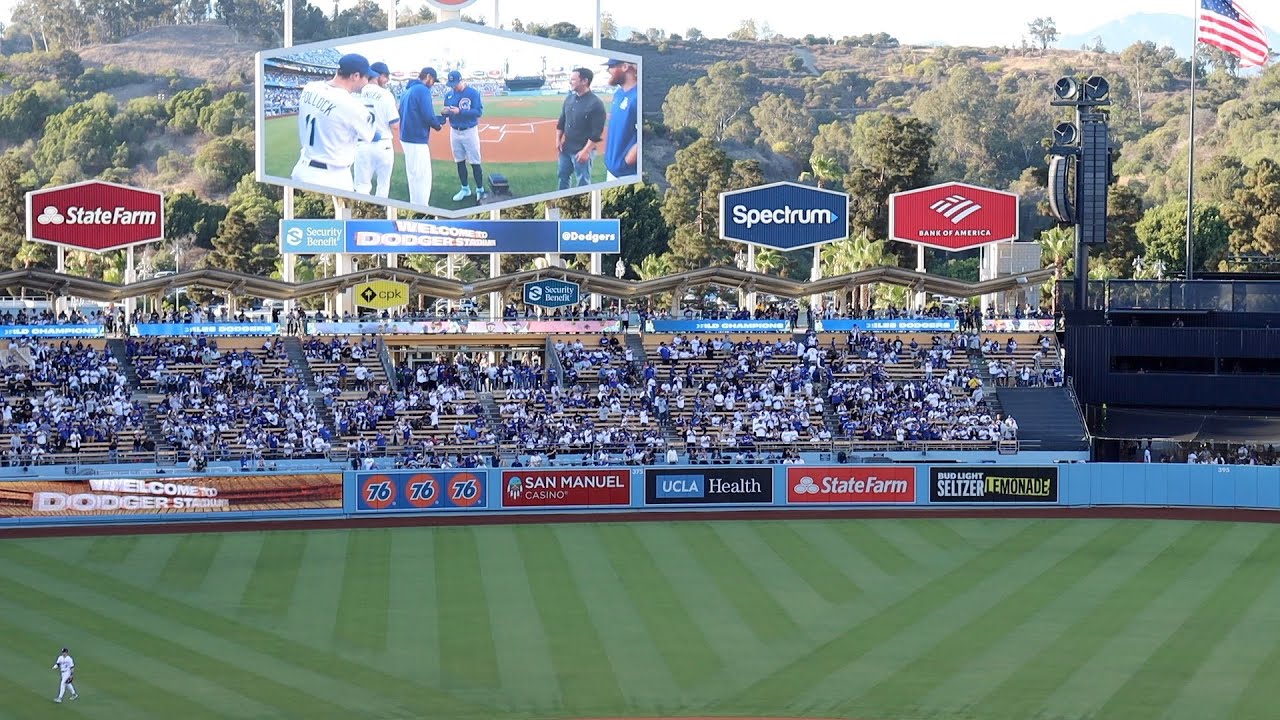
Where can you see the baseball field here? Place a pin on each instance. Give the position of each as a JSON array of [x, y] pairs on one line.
[[946, 619], [517, 139]]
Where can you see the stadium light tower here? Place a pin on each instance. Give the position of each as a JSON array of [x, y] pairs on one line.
[[1080, 169]]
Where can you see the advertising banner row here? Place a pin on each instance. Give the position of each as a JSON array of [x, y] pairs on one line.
[[51, 331], [463, 327], [450, 236], [583, 490]]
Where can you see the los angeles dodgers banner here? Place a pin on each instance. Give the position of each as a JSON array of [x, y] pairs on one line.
[[450, 236]]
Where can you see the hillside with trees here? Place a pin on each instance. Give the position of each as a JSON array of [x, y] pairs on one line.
[[124, 92]]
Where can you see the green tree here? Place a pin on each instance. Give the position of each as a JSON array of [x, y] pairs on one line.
[[1044, 30], [892, 155], [718, 105], [1143, 68], [747, 31], [184, 108], [1163, 232], [1124, 212], [222, 162], [16, 180], [82, 134], [22, 114], [971, 119], [784, 126], [638, 208], [691, 206], [188, 216], [1254, 216], [233, 246], [1057, 247], [793, 63], [652, 267], [229, 113], [693, 34]]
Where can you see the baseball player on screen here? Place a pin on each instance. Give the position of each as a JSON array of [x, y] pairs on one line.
[[463, 109], [331, 121], [417, 120], [67, 668], [378, 157]]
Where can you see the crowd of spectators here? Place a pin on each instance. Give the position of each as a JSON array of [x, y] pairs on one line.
[[278, 101], [614, 422], [56, 397]]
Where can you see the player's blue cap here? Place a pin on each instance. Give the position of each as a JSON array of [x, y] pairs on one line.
[[455, 77], [429, 71], [380, 68], [352, 63], [614, 62]]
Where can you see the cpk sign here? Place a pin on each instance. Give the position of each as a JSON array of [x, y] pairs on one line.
[[95, 216], [953, 216], [784, 216], [851, 484]]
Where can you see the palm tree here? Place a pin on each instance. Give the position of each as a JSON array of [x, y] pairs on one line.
[[652, 267], [1057, 247], [769, 259], [854, 255], [824, 172]]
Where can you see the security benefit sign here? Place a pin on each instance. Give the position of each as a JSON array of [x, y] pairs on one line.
[[552, 293], [993, 484], [850, 484], [586, 487], [709, 485], [420, 490], [381, 294], [171, 496]]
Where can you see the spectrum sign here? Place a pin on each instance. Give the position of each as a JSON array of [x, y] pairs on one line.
[[851, 485], [953, 216], [420, 490], [589, 487], [784, 216]]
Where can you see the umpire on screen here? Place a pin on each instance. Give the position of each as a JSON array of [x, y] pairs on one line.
[[579, 129]]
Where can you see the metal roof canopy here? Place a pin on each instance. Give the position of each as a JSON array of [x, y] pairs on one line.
[[48, 281]]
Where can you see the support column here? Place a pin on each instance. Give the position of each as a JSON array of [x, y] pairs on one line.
[[815, 274], [920, 268], [130, 277], [343, 265], [60, 302], [597, 210], [553, 259], [290, 259], [495, 259], [750, 297]]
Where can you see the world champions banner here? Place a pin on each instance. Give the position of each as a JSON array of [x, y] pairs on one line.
[[170, 495]]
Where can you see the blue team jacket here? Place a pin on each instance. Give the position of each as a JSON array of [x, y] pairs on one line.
[[417, 117], [471, 107]]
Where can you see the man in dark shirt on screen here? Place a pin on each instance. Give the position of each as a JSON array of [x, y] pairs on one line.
[[579, 129]]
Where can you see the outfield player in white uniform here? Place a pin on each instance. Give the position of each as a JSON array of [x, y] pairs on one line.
[[331, 120], [378, 156], [67, 667]]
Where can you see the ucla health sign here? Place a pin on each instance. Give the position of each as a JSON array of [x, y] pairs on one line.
[[373, 237], [784, 216]]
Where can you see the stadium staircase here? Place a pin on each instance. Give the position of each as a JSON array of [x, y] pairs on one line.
[[635, 343], [298, 361], [553, 360], [992, 393], [1047, 416], [388, 366], [116, 346]]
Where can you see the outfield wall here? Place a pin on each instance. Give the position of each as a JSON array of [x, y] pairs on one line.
[[698, 488]]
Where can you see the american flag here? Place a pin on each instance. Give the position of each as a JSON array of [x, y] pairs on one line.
[[1226, 26]]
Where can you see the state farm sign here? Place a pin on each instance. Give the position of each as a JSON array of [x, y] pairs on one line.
[[850, 484], [95, 216], [953, 216]]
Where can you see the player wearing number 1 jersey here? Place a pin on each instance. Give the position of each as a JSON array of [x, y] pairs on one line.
[[377, 158], [331, 121]]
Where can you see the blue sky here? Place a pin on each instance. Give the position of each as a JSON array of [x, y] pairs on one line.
[[987, 22]]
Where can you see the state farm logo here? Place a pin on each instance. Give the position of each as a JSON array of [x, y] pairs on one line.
[[76, 215], [955, 208], [851, 485]]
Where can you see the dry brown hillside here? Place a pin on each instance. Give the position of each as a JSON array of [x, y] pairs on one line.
[[209, 51]]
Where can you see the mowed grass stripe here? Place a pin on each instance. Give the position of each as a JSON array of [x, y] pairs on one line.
[[361, 622], [808, 671], [520, 642], [1177, 659], [229, 573], [862, 537], [275, 574], [113, 549], [130, 633], [93, 651], [1224, 676], [826, 579], [467, 655], [588, 682], [189, 563], [754, 604], [257, 638], [938, 533], [993, 662], [683, 646], [956, 648], [412, 645], [135, 695], [1026, 690], [1257, 701]]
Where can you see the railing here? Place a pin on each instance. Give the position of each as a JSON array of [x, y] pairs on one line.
[[1235, 296]]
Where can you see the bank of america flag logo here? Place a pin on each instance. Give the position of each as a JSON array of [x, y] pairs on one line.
[[955, 208], [1226, 26]]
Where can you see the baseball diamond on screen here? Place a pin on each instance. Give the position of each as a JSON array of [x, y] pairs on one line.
[[455, 118]]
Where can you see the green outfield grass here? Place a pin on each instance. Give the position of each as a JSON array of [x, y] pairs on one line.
[[886, 619], [526, 178]]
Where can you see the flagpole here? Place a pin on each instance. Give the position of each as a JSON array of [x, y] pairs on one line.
[[1191, 147]]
